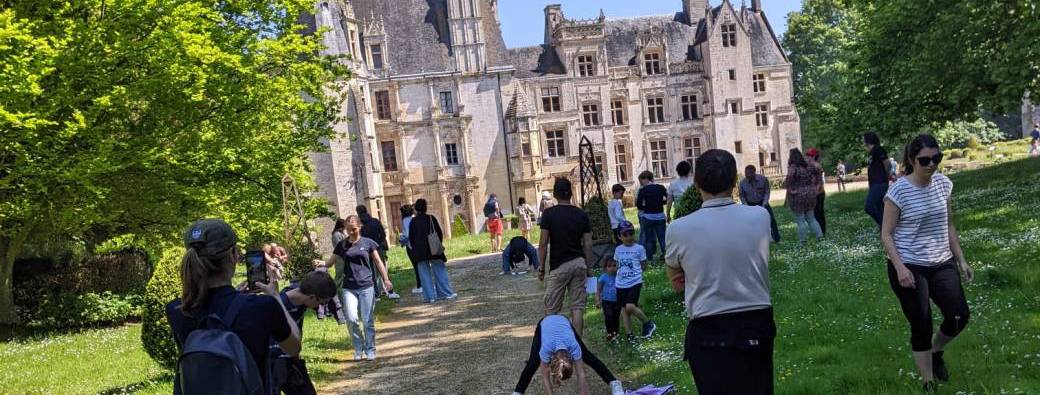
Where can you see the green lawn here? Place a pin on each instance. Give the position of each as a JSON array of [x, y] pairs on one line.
[[840, 330]]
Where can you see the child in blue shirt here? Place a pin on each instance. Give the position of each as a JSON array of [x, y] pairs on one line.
[[606, 298]]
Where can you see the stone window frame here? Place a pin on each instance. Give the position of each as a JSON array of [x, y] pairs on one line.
[[372, 52], [732, 74], [590, 114], [555, 146], [623, 161], [653, 62], [655, 117], [447, 106], [551, 99], [586, 64], [618, 113], [758, 82], [659, 162], [692, 148], [390, 162], [734, 106], [452, 149], [384, 107], [738, 147], [688, 106], [525, 145], [729, 35], [762, 115]]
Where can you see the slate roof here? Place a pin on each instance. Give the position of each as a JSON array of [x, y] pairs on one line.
[[622, 36], [519, 105], [536, 61], [765, 48]]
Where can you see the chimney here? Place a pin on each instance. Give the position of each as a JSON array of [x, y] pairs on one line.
[[756, 5], [553, 17], [693, 11]]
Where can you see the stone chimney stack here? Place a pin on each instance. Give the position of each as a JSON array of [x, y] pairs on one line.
[[756, 5], [553, 18], [693, 11]]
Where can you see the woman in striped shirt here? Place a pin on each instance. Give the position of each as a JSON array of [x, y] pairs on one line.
[[925, 256]]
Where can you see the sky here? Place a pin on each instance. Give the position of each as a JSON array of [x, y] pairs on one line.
[[523, 20]]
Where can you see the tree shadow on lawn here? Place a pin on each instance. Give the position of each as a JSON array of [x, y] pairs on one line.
[[159, 379]]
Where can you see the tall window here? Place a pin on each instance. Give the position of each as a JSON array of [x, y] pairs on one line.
[[652, 63], [451, 154], [353, 45], [659, 158], [762, 115], [732, 74], [383, 105], [447, 106], [621, 156], [555, 144], [389, 155], [590, 114], [738, 147], [586, 65], [617, 112], [377, 56], [525, 145], [655, 109], [729, 35], [551, 99], [688, 103], [758, 82], [601, 165], [691, 148]]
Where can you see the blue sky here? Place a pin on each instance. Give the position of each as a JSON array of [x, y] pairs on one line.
[[523, 20]]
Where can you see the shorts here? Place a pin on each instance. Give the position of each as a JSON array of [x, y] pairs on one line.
[[495, 226], [568, 278], [627, 296]]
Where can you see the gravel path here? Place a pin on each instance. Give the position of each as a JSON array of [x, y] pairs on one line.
[[476, 344]]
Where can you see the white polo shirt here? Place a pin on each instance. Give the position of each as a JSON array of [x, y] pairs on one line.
[[723, 249]]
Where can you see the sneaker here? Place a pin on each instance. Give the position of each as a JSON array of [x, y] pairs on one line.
[[931, 387], [505, 273], [616, 388], [519, 273], [452, 296], [357, 356], [393, 295], [649, 328], [430, 301], [370, 355], [939, 367], [417, 290]]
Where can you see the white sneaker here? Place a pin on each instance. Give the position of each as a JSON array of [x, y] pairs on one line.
[[452, 296], [616, 388], [393, 295], [357, 356], [370, 355], [504, 273], [417, 290]]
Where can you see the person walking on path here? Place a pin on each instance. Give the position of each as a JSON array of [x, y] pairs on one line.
[[813, 157], [354, 260], [525, 213], [877, 177], [631, 260], [426, 237], [718, 257], [653, 220], [406, 219], [840, 172], [925, 257], [803, 183], [494, 222], [616, 211], [374, 230], [1034, 145], [338, 232], [515, 252], [558, 350], [566, 238], [754, 191], [678, 187], [544, 204]]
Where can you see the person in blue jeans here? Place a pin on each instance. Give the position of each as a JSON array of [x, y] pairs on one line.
[[877, 177], [653, 220], [431, 264], [354, 259], [515, 252]]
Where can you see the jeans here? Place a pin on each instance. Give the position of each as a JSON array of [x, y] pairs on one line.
[[942, 284], [806, 220], [530, 252], [773, 229], [534, 360], [435, 281], [819, 213], [651, 232], [363, 302], [875, 204]]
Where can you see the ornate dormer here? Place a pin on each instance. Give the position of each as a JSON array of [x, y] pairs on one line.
[[375, 50], [580, 43], [652, 51]]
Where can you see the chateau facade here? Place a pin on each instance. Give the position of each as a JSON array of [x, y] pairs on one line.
[[440, 109]]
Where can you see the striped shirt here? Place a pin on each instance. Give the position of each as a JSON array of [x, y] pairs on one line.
[[922, 234]]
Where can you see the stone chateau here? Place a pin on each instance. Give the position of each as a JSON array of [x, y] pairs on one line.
[[440, 109]]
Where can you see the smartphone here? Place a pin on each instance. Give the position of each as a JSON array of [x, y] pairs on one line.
[[256, 270]]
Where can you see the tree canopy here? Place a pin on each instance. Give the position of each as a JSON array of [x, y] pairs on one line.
[[139, 116]]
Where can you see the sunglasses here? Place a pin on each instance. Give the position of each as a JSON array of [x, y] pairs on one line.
[[926, 161]]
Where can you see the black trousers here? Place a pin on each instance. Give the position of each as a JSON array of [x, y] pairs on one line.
[[941, 284], [612, 316], [819, 212], [415, 269], [533, 361], [773, 229], [732, 353]]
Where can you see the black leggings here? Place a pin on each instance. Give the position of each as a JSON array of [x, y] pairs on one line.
[[534, 361], [943, 285], [820, 213], [415, 269]]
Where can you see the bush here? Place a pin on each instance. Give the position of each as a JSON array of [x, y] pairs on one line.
[[164, 287], [301, 256], [689, 202], [972, 134], [973, 143], [71, 310], [458, 227], [596, 209], [513, 220]]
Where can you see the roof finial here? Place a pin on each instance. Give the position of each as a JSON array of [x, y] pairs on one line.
[[602, 16]]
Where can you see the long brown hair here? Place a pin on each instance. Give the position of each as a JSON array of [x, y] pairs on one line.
[[561, 366], [913, 148], [196, 270]]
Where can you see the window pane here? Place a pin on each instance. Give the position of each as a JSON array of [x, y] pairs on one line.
[[377, 56], [383, 105], [389, 156]]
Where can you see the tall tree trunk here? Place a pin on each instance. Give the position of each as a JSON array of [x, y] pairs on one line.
[[10, 247]]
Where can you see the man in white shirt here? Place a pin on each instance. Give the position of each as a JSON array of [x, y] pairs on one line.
[[678, 187], [718, 256]]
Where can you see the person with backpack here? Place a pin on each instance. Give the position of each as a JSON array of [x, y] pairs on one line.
[[374, 230], [426, 237], [526, 215], [515, 252], [224, 335], [354, 260], [316, 289], [494, 222]]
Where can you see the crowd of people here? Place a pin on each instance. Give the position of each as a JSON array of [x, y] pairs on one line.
[[717, 257]]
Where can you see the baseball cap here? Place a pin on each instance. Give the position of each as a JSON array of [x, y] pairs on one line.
[[210, 237], [626, 226], [813, 152]]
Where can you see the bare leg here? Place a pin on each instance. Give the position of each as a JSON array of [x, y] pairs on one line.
[[578, 321], [625, 321], [633, 309], [940, 341]]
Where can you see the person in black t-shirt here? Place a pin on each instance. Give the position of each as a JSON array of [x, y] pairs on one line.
[[653, 220], [877, 177], [567, 239], [314, 290], [354, 260]]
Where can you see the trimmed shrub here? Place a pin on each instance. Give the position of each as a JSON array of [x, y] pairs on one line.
[[689, 202], [164, 287], [72, 310], [513, 220], [596, 209], [301, 256], [458, 227]]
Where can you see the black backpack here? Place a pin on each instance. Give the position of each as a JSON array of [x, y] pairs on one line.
[[489, 208], [215, 361]]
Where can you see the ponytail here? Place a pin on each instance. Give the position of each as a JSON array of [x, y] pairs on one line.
[[195, 274]]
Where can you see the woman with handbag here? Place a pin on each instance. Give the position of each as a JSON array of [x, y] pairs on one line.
[[426, 238]]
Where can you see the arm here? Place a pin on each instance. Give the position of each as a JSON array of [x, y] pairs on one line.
[[290, 345], [888, 228], [888, 165], [381, 268], [742, 193], [678, 279], [955, 245], [586, 244], [546, 383], [583, 383], [765, 196], [640, 204], [642, 264], [543, 250]]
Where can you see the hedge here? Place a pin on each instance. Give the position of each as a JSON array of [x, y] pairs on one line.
[[164, 287]]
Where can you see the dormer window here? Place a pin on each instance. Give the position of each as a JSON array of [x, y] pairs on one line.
[[729, 35], [377, 56], [586, 65], [652, 63]]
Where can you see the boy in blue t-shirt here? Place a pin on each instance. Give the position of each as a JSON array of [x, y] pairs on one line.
[[606, 298], [631, 260]]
